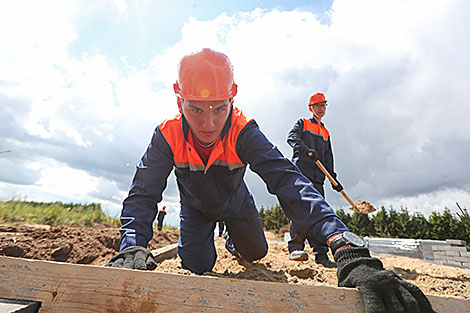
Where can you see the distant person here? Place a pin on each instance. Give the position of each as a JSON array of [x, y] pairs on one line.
[[221, 226], [161, 217], [209, 145], [310, 141]]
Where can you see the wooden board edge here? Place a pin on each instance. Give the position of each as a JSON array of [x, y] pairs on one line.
[[167, 252], [63, 286]]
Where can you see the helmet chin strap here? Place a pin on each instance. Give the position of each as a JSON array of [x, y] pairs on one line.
[[315, 114]]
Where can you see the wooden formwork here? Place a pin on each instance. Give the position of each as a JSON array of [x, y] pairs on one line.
[[62, 287]]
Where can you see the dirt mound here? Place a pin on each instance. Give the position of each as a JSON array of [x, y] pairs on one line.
[[81, 245], [276, 267], [97, 245]]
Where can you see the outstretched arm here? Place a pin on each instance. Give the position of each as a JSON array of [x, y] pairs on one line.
[[382, 290], [301, 202], [139, 208]]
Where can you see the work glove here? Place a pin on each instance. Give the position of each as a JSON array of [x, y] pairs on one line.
[[313, 155], [381, 290], [338, 187], [137, 258]]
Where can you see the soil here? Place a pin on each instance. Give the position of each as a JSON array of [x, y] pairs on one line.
[[363, 206], [79, 245], [97, 245]]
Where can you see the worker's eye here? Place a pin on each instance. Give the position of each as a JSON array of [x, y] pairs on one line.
[[196, 110], [220, 109]]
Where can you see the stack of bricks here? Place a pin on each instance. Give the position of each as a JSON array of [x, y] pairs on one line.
[[450, 252], [453, 253]]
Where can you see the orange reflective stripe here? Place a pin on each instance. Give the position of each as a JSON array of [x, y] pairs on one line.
[[223, 154], [315, 128], [183, 154]]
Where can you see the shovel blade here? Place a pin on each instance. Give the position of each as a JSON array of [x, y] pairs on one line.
[[362, 206]]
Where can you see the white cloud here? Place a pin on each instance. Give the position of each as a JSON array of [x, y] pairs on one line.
[[394, 72], [426, 203], [122, 7], [387, 77], [64, 180]]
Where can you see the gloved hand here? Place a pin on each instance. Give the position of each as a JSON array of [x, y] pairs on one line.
[[138, 258], [338, 187], [313, 155], [381, 290]]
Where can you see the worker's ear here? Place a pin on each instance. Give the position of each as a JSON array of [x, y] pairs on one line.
[[180, 105]]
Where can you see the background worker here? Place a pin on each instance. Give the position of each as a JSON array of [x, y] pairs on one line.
[[310, 141], [160, 217], [221, 226], [209, 145]]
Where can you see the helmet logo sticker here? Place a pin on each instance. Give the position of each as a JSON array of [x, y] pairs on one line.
[[204, 93]]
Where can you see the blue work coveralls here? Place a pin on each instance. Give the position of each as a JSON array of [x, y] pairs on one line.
[[309, 134], [305, 135], [216, 191]]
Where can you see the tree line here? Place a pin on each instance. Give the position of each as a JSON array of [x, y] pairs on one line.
[[388, 223]]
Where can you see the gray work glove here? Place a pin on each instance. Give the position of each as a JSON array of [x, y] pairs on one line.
[[313, 155], [381, 290], [338, 187], [137, 258]]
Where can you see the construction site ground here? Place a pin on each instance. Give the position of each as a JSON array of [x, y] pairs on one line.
[[95, 246]]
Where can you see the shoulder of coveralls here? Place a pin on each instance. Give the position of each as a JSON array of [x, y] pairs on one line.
[[172, 129], [238, 118], [305, 121], [315, 128], [300, 122], [238, 123], [170, 122], [251, 141]]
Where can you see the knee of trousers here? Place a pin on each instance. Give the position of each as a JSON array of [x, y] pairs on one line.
[[255, 252], [197, 262]]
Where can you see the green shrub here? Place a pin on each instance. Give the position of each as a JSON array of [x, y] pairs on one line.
[[273, 218]]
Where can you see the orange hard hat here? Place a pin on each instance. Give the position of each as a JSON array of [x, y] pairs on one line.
[[316, 98], [205, 75]]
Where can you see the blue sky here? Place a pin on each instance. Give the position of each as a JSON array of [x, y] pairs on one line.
[[83, 84], [141, 29]]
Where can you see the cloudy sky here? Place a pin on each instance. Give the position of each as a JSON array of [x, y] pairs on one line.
[[83, 84]]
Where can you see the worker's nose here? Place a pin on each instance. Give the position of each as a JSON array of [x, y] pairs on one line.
[[209, 119]]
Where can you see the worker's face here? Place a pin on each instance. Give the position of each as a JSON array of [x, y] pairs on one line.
[[206, 118], [318, 109]]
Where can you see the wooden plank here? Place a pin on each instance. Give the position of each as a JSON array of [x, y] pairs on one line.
[[164, 253], [63, 287]]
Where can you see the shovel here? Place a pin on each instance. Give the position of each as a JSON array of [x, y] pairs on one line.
[[367, 208]]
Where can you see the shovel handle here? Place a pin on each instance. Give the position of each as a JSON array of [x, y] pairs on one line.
[[323, 169], [347, 198], [333, 181]]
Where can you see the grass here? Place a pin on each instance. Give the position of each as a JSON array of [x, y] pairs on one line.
[[53, 214], [58, 214]]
